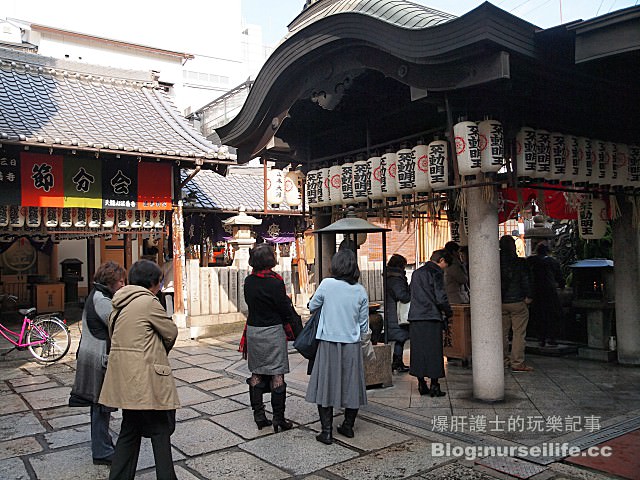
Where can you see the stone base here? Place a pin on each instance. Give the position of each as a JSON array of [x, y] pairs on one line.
[[597, 354], [204, 326], [378, 371]]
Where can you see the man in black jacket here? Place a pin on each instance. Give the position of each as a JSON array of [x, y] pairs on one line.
[[516, 295]]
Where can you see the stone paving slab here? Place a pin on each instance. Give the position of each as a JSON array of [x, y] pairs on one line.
[[177, 364], [220, 365], [241, 423], [68, 436], [63, 412], [181, 473], [52, 397], [297, 451], [235, 466], [69, 464], [19, 425], [12, 403], [35, 368], [183, 414], [216, 407], [300, 411], [65, 378], [455, 471], [13, 469], [41, 386], [368, 435], [202, 436], [190, 396], [232, 390], [70, 421], [216, 381], [399, 461], [192, 374], [19, 446], [202, 359], [30, 380]]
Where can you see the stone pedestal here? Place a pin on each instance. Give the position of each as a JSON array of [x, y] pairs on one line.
[[378, 371]]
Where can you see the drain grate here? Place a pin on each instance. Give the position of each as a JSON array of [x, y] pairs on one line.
[[511, 466]]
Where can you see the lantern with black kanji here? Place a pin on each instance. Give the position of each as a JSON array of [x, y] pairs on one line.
[[311, 188], [610, 152], [572, 160], [405, 172], [375, 167], [438, 155], [600, 163], [592, 219], [491, 146], [335, 185], [323, 187], [293, 182], [275, 187], [634, 167], [390, 170], [467, 141], [348, 197], [526, 153], [558, 157], [421, 158], [361, 179], [585, 154], [620, 170], [543, 155]]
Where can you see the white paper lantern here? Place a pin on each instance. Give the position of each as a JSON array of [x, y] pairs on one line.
[[634, 166], [526, 153], [137, 219], [109, 218], [389, 169], [293, 181], [361, 179], [33, 217], [467, 141], [405, 172], [491, 145], [585, 154], [620, 166], [4, 216], [543, 155], [421, 157], [324, 198], [438, 155], [95, 218], [275, 187], [600, 164], [335, 185], [592, 219], [79, 217], [17, 215], [572, 170], [558, 157], [375, 167], [311, 188], [610, 153], [348, 196]]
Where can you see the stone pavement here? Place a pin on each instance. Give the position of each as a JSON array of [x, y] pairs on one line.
[[563, 400]]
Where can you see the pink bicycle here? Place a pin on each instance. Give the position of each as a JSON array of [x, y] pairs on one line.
[[45, 336]]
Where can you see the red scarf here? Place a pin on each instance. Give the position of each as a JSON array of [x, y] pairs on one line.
[[268, 273]]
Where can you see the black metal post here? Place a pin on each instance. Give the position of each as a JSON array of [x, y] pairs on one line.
[[384, 285]]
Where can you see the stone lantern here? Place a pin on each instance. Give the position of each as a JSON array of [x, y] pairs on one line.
[[539, 232], [242, 240]]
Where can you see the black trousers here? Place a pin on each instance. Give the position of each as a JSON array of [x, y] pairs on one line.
[[158, 425]]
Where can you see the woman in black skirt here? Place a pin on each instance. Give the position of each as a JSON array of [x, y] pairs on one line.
[[266, 342], [337, 378]]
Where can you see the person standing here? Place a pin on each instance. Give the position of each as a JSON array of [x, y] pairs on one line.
[[139, 378], [92, 358], [456, 278], [337, 378], [397, 291], [266, 341], [516, 295], [428, 317], [547, 277]]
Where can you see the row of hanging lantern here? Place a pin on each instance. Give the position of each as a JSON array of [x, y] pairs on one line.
[[284, 187], [16, 216], [569, 160]]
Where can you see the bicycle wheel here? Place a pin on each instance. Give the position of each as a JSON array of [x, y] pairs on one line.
[[56, 336]]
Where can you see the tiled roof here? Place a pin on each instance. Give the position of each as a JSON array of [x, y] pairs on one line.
[[47, 106], [242, 187]]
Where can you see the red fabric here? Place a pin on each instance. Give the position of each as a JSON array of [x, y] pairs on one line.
[[554, 205]]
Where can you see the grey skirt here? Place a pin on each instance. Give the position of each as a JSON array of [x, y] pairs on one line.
[[337, 379], [267, 350]]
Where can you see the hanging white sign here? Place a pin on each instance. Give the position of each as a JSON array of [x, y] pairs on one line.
[[348, 195], [377, 177], [389, 168], [526, 153], [421, 158], [491, 145], [592, 219], [405, 172], [467, 140], [361, 179], [335, 185], [438, 164], [558, 157]]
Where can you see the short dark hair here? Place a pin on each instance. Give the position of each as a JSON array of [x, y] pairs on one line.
[[109, 273], [344, 266], [452, 247], [508, 245], [262, 257], [542, 248], [145, 273], [437, 255], [397, 261]]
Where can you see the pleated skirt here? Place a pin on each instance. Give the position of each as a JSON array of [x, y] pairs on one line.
[[427, 358], [337, 378], [267, 350]]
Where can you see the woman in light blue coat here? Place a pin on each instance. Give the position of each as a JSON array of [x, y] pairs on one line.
[[337, 378]]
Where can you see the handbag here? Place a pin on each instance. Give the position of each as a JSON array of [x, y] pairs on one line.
[[295, 321], [403, 313], [306, 342]]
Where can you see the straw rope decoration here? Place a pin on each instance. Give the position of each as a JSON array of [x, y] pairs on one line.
[[615, 212]]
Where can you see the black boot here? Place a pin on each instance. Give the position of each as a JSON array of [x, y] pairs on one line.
[[326, 420], [278, 398], [398, 365], [346, 428], [423, 388], [435, 389], [255, 397]]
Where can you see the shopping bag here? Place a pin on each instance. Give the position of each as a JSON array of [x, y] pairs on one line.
[[403, 313], [306, 342], [368, 353]]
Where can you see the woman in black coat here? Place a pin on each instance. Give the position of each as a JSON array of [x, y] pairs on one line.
[[397, 291]]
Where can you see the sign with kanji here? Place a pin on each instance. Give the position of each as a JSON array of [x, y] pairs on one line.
[[154, 186], [41, 180], [82, 182], [9, 179], [119, 184]]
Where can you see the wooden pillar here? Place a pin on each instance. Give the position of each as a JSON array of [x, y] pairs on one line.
[[177, 224]]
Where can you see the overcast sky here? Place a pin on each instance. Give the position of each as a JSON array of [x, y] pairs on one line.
[[200, 25]]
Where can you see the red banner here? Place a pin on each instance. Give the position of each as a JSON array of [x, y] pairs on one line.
[[552, 203], [154, 186], [41, 180]]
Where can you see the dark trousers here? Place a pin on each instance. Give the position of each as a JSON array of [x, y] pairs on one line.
[[158, 425]]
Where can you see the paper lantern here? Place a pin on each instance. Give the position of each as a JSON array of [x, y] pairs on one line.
[[65, 218], [323, 187], [634, 166], [375, 167], [158, 217], [437, 153], [147, 222], [293, 181], [467, 141], [421, 158], [592, 219], [610, 153], [348, 197], [543, 155], [136, 222], [600, 163], [335, 185], [558, 157], [94, 218], [311, 188], [491, 136], [405, 172], [275, 187], [33, 217], [4, 216], [572, 160], [620, 166], [361, 179], [389, 171], [585, 154], [109, 218], [526, 153]]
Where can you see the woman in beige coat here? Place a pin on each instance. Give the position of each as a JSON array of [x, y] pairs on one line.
[[138, 378]]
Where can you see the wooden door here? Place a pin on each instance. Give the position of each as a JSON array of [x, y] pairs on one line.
[[112, 249]]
